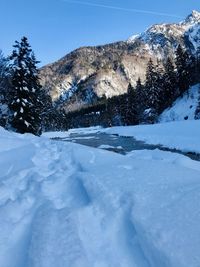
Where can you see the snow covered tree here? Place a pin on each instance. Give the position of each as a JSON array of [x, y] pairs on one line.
[[197, 66], [141, 97], [121, 108], [149, 116], [26, 102], [197, 111], [114, 110], [153, 80], [170, 86], [4, 89], [131, 113], [3, 69], [183, 65]]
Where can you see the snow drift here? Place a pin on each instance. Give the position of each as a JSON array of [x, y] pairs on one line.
[[63, 204]]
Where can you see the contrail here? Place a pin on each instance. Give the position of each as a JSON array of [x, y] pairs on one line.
[[124, 9]]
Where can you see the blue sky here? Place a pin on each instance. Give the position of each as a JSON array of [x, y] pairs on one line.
[[55, 27]]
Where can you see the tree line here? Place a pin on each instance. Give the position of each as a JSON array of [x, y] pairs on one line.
[[143, 103]]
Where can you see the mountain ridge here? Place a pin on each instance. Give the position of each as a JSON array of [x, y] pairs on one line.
[[86, 73]]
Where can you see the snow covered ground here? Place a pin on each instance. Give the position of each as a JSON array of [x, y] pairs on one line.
[[89, 130], [63, 204], [183, 108], [181, 135]]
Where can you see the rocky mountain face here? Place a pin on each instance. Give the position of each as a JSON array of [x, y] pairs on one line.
[[87, 73]]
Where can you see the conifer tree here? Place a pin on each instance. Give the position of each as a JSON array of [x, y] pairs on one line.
[[170, 90], [130, 105], [26, 102], [183, 64], [141, 98], [197, 111], [153, 85], [197, 66], [4, 89], [122, 109], [113, 109]]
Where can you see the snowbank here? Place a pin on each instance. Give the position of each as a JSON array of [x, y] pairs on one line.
[[87, 130], [62, 204], [182, 135]]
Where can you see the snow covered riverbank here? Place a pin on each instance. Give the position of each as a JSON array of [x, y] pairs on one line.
[[63, 204], [182, 135]]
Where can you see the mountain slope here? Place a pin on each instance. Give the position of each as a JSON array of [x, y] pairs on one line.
[[183, 108], [107, 70]]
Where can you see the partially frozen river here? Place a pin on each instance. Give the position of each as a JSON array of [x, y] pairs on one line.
[[118, 144]]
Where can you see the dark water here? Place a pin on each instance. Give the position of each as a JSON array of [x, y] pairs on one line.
[[119, 144]]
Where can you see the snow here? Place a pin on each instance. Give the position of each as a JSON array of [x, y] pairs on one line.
[[63, 204], [56, 134], [181, 135], [88, 130], [194, 34], [105, 146], [192, 19], [183, 108], [133, 38], [27, 123]]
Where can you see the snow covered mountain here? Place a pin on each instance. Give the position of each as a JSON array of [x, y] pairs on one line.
[[88, 72], [162, 39]]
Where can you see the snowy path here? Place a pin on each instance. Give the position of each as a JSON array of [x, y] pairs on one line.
[[62, 204]]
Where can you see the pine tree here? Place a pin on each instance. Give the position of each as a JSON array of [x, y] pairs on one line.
[[4, 75], [170, 90], [183, 64], [4, 89], [197, 111], [26, 89], [113, 109], [47, 111], [130, 117], [122, 108], [153, 85], [141, 98], [197, 66]]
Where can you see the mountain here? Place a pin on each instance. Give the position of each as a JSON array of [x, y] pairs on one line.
[[87, 73]]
